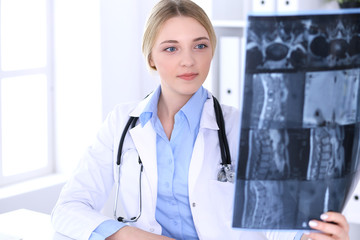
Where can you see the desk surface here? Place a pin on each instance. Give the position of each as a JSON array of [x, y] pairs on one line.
[[25, 225]]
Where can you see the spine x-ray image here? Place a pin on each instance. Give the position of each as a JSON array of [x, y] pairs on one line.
[[299, 140]]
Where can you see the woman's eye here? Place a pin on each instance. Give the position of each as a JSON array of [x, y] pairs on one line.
[[170, 49], [200, 46]]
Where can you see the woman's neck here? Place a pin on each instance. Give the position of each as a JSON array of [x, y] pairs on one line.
[[168, 106]]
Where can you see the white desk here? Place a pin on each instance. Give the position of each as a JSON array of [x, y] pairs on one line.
[[354, 231], [25, 225]]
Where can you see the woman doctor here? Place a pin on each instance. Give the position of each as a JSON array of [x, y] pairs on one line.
[[176, 140]]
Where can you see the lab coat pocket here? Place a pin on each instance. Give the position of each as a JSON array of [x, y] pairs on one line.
[[129, 182], [222, 197]]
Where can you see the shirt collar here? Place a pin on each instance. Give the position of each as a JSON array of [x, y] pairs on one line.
[[192, 109], [150, 108]]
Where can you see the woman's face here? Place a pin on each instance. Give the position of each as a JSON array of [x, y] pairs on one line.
[[182, 55]]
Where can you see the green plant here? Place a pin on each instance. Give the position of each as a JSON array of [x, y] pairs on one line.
[[343, 1]]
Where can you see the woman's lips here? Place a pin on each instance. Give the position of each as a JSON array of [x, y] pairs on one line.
[[188, 76]]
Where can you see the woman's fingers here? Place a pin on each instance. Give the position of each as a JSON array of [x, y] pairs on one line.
[[337, 218], [319, 236], [333, 227]]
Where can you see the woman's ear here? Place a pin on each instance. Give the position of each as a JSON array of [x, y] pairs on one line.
[[152, 64]]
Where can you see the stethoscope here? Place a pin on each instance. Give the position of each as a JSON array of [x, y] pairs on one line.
[[225, 174]]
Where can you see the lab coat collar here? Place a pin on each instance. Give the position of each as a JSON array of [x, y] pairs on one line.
[[208, 119], [141, 106]]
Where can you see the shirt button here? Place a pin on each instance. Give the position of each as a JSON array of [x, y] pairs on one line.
[[151, 230], [194, 204], [167, 184]]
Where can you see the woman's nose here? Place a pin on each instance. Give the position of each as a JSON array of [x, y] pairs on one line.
[[187, 59]]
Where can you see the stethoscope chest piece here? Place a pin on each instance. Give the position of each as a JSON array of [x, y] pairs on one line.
[[226, 173]]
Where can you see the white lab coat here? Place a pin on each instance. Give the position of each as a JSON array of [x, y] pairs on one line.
[[77, 212]]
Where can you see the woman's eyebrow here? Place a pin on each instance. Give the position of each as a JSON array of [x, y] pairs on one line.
[[201, 38], [175, 41], [169, 41]]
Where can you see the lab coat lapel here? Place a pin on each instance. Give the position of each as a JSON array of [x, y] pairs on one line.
[[207, 122], [196, 161], [144, 139]]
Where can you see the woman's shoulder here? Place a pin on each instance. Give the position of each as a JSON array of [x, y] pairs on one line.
[[230, 110], [126, 107], [230, 113], [121, 112], [133, 108], [226, 109], [231, 116]]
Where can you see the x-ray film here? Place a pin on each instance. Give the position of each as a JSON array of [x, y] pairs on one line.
[[299, 140]]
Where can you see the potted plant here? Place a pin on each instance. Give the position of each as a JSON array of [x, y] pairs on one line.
[[349, 3]]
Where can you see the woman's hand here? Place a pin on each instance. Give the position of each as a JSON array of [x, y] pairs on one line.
[[333, 227], [133, 233]]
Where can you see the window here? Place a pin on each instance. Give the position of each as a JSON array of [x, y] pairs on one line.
[[26, 95]]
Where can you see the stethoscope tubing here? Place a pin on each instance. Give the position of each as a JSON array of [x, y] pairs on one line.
[[225, 174], [224, 145], [132, 121]]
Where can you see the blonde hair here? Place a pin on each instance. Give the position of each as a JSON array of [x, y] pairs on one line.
[[166, 9]]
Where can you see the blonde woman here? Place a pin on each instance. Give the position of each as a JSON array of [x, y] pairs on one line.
[[172, 142]]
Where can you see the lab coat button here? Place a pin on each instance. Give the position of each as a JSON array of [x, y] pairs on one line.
[[151, 230], [194, 204]]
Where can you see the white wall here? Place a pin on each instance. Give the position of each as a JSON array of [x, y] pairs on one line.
[[98, 63], [124, 73], [77, 77], [77, 100]]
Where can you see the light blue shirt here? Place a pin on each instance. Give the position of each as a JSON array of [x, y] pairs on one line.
[[106, 229], [298, 235], [173, 160]]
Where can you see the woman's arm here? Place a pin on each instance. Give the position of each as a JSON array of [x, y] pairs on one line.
[[333, 227], [133, 233]]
